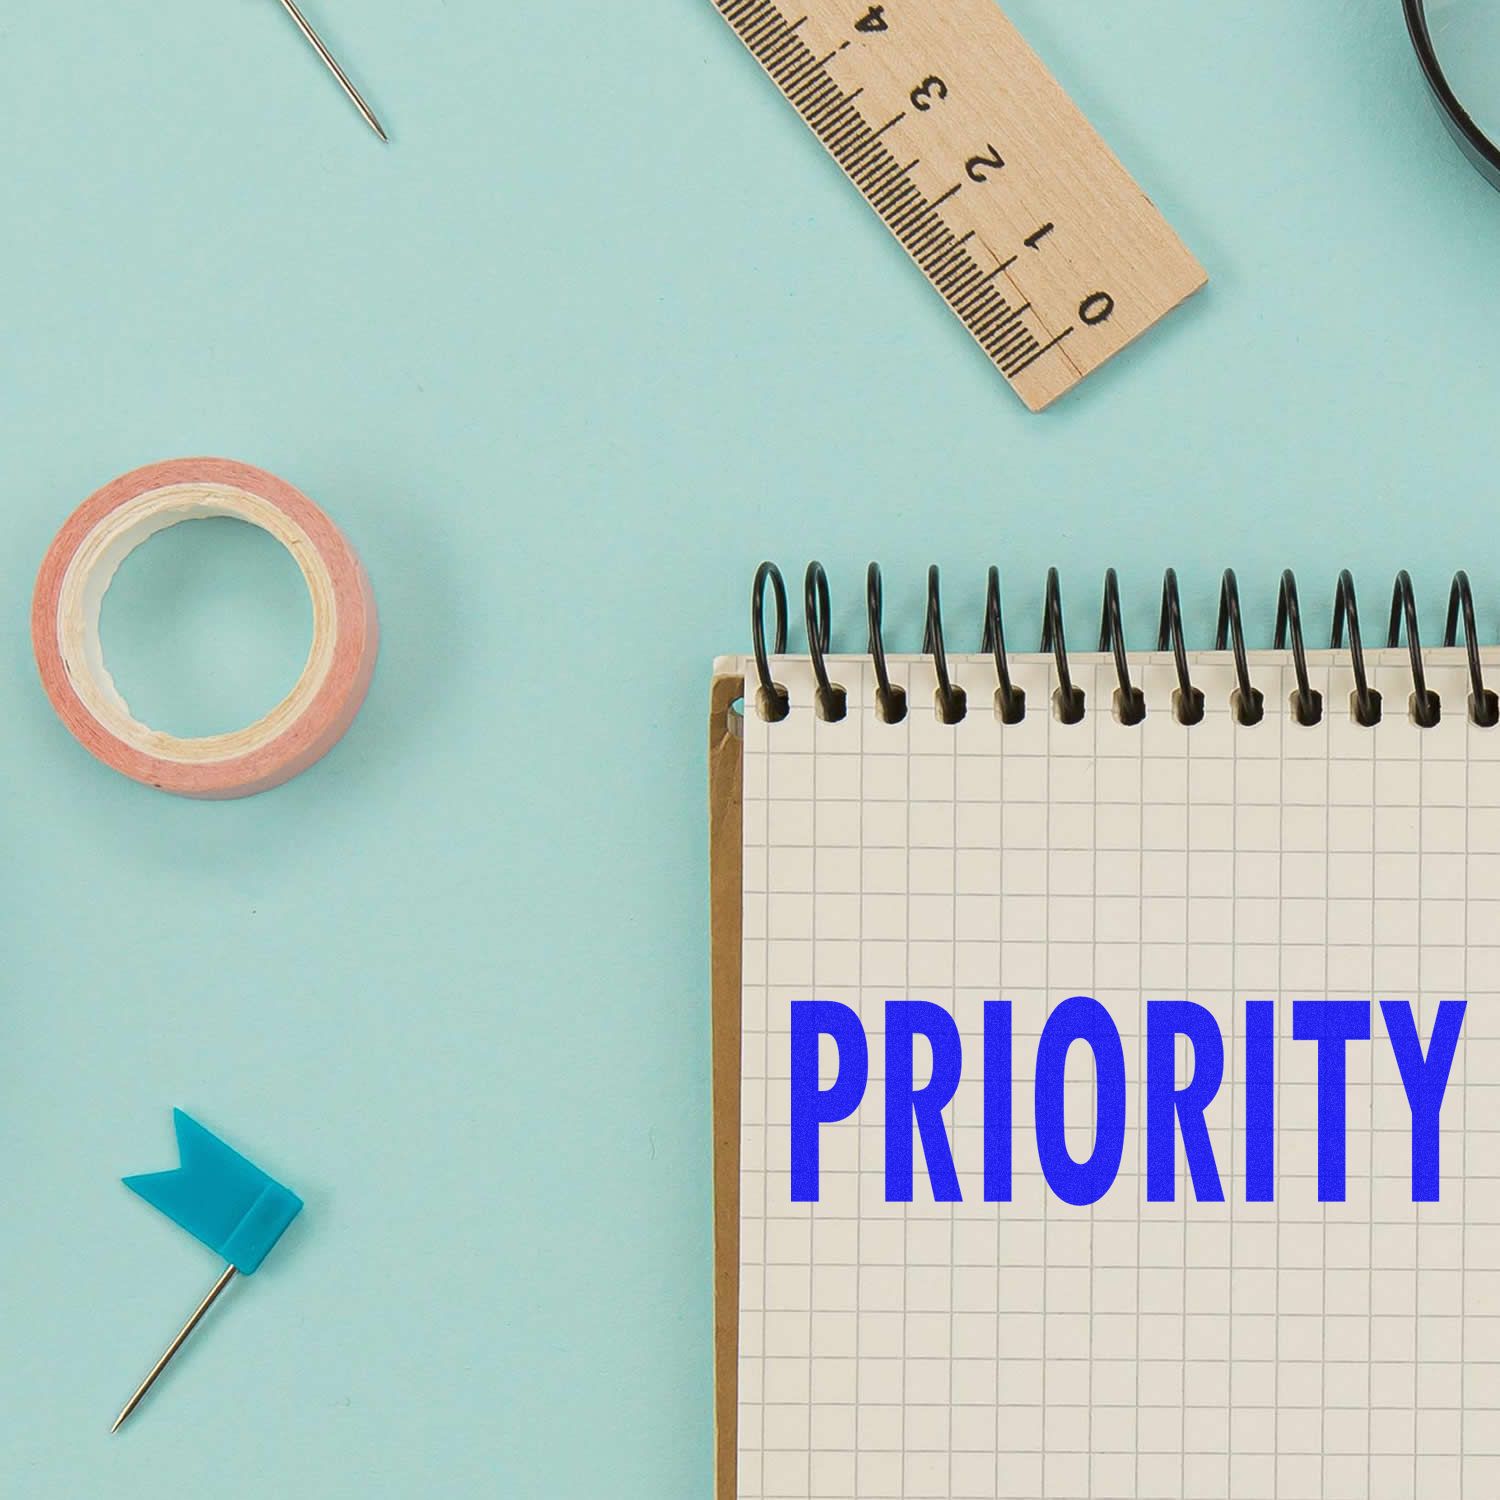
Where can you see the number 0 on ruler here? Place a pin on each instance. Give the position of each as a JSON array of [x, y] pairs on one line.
[[1021, 217]]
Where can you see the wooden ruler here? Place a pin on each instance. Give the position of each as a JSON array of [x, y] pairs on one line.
[[940, 114]]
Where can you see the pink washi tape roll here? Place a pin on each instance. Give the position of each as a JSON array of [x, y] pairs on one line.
[[70, 587]]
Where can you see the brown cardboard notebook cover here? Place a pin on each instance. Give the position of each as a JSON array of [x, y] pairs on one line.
[[725, 814]]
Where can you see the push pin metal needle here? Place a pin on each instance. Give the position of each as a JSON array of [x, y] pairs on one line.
[[140, 1391], [226, 1202], [332, 64]]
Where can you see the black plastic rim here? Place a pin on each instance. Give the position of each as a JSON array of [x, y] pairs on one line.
[[1474, 143]]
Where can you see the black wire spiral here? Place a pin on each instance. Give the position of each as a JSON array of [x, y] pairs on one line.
[[1366, 703], [1247, 704], [1484, 707]]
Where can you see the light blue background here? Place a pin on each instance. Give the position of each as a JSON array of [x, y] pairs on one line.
[[599, 329]]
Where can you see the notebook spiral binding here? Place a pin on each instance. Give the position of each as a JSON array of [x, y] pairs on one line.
[[773, 703]]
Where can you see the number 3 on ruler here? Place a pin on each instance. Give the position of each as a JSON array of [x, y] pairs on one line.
[[925, 92]]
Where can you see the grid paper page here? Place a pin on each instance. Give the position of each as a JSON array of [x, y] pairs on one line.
[[1293, 1350]]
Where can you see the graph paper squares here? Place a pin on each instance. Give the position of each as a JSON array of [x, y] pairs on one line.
[[1285, 1351]]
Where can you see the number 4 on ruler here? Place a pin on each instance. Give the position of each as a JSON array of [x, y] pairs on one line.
[[957, 135]]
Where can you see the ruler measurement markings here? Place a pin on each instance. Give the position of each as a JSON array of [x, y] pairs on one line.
[[976, 293], [881, 177], [880, 166], [900, 185], [837, 116], [814, 90], [1026, 349], [1008, 340], [820, 107], [809, 83], [996, 318], [893, 188], [1021, 345], [980, 287], [976, 307], [1121, 267], [1005, 342], [909, 185], [934, 247], [942, 268], [960, 263], [986, 293], [1011, 315], [869, 162], [959, 281], [1000, 331], [795, 62], [783, 55], [967, 284], [764, 30], [913, 220], [955, 275], [894, 194], [931, 249], [902, 220], [768, 22], [878, 150], [926, 236], [933, 244], [822, 62], [863, 161], [910, 223], [907, 215], [785, 49], [801, 84], [1040, 351], [841, 144]]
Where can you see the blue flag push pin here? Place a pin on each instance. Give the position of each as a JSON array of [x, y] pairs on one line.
[[223, 1200]]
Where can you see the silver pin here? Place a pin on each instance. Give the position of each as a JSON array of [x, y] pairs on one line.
[[333, 67], [174, 1346]]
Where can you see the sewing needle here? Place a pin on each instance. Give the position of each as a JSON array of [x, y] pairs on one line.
[[333, 67], [174, 1346]]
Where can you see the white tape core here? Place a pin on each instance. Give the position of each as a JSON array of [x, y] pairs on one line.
[[93, 568]]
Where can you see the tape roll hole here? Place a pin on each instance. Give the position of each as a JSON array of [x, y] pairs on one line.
[[206, 626]]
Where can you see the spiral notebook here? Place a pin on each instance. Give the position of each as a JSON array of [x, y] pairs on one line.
[[996, 1214]]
